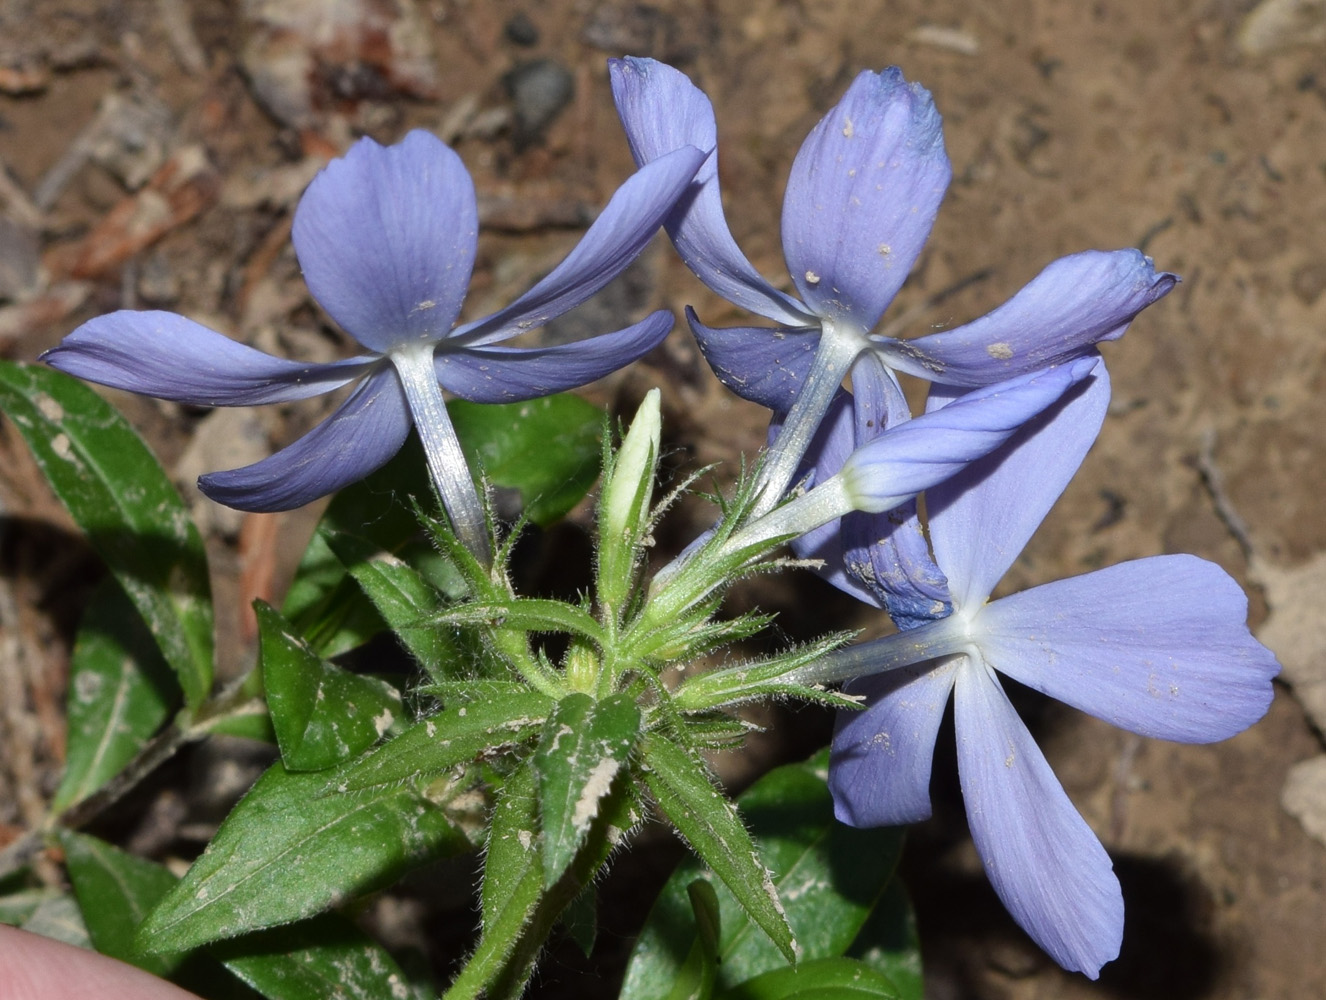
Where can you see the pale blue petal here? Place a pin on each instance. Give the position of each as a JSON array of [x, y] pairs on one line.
[[1073, 304], [501, 374], [888, 553], [626, 225], [1157, 646], [879, 767], [921, 453], [165, 355], [833, 441], [357, 439], [661, 110], [759, 364], [1044, 862], [386, 236], [982, 517], [862, 197]]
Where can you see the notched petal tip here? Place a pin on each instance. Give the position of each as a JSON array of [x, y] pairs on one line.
[[386, 237], [862, 196]]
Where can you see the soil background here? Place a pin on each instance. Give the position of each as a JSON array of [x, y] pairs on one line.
[[152, 152]]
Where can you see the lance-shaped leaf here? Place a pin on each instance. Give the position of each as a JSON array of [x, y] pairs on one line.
[[118, 493], [831, 878], [405, 600], [513, 864], [547, 449], [698, 977], [889, 942], [115, 891], [323, 602], [822, 979], [456, 735], [708, 821], [527, 614], [518, 912], [17, 907], [58, 917], [287, 851], [322, 714], [120, 693], [585, 744], [326, 957]]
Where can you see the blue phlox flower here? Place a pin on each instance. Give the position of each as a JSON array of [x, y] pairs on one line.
[[1158, 646], [386, 238], [861, 199]]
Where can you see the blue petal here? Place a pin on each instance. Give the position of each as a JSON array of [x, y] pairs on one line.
[[833, 441], [888, 552], [1074, 303], [1157, 646], [357, 439], [661, 110], [386, 237], [1044, 862], [981, 519], [624, 228], [921, 453], [165, 355], [507, 374], [759, 364], [862, 197], [879, 767]]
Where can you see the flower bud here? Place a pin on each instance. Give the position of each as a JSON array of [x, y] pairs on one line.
[[624, 505]]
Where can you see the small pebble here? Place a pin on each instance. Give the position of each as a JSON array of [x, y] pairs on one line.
[[520, 30], [540, 90]]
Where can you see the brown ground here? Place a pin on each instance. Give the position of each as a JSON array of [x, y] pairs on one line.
[[1070, 125]]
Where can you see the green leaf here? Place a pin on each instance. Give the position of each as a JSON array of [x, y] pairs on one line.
[[585, 744], [889, 943], [830, 877], [322, 713], [708, 822], [698, 977], [822, 979], [405, 601], [120, 692], [580, 920], [326, 958], [528, 615], [118, 494], [456, 735], [518, 914], [17, 907], [115, 891], [547, 449], [512, 857], [59, 918], [323, 603], [288, 851]]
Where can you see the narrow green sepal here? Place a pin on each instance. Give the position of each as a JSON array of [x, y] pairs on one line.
[[763, 679]]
